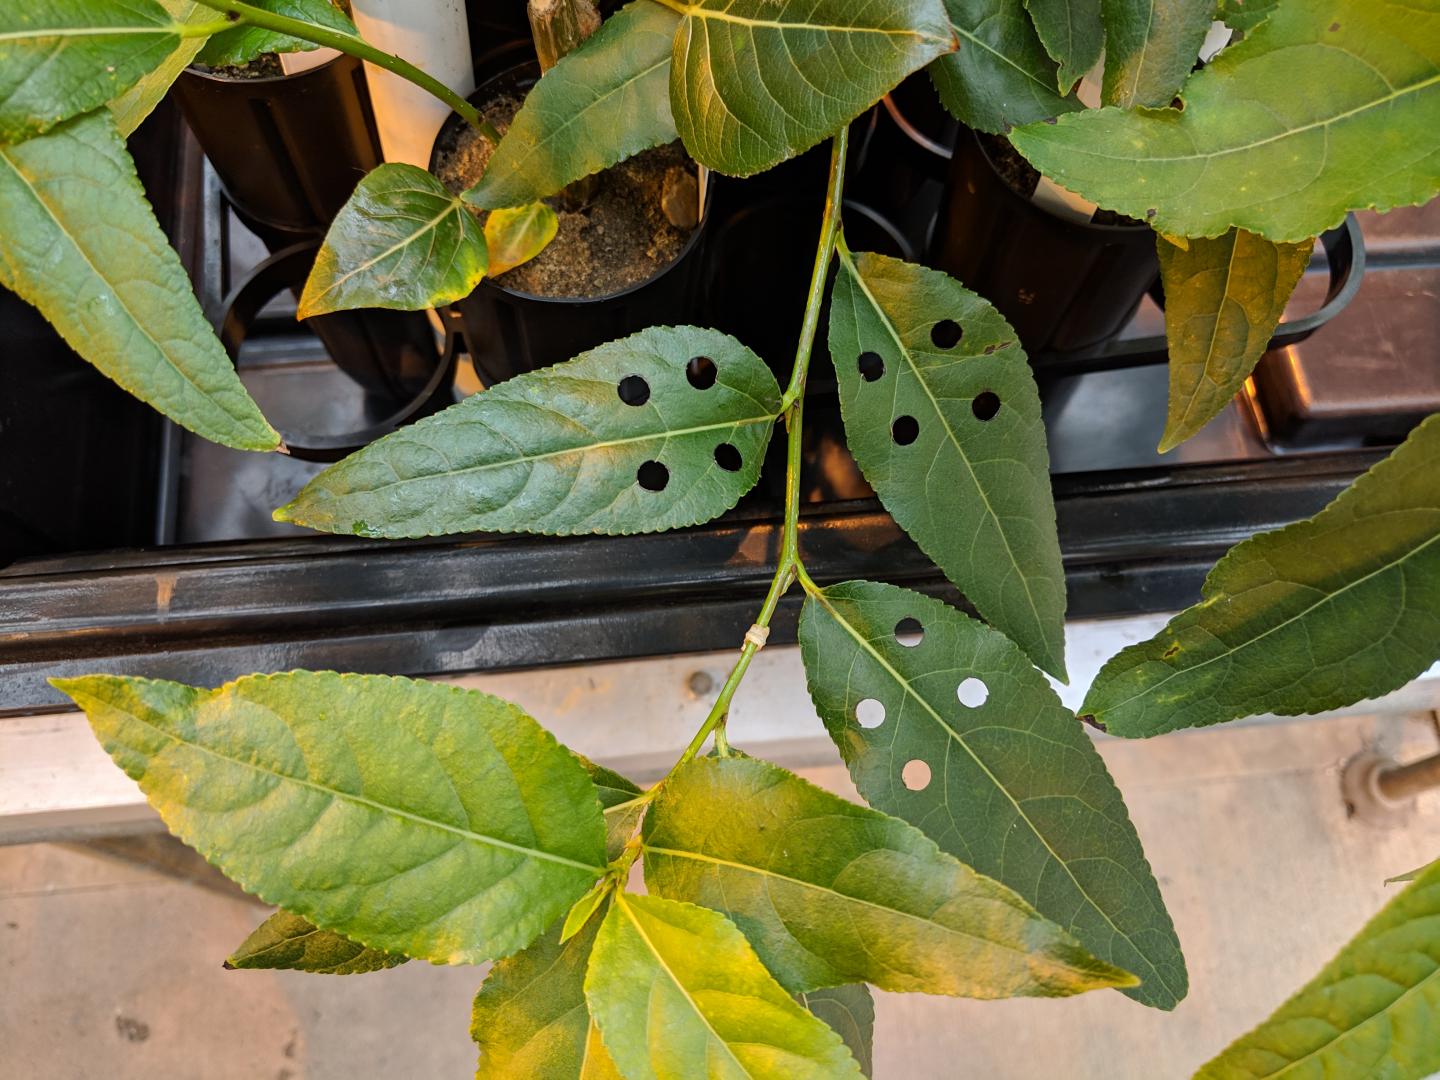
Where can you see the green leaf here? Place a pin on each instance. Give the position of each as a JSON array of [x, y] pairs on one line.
[[133, 106], [832, 893], [530, 1018], [603, 102], [1411, 875], [849, 1011], [619, 799], [408, 816], [1372, 1011], [678, 992], [245, 43], [1315, 616], [1326, 107], [1245, 14], [1150, 47], [1015, 788], [517, 235], [1001, 75], [1223, 299], [402, 241], [559, 451], [972, 483], [757, 81], [289, 942], [61, 58], [81, 243], [1072, 33]]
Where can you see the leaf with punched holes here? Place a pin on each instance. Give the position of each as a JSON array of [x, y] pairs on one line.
[[1150, 47], [943, 722], [530, 1019], [61, 58], [1001, 75], [409, 816], [288, 942], [754, 82], [402, 241], [832, 893], [517, 235], [850, 1012], [1315, 616], [603, 102], [244, 43], [678, 992], [1223, 299], [101, 271], [1072, 33], [661, 429], [1373, 1011], [1325, 107], [943, 417]]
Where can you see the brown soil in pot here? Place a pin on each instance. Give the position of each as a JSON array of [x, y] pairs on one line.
[[1023, 178], [619, 239], [264, 66]]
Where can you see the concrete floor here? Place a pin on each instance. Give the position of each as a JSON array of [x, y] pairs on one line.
[[113, 970]]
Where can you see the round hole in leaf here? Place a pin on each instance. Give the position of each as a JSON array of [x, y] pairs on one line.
[[634, 390], [905, 430], [652, 476], [985, 405], [915, 775], [728, 458], [869, 713], [871, 366], [909, 632], [946, 334], [972, 693], [701, 372]]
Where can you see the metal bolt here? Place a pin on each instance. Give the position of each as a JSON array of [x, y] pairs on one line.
[[700, 683]]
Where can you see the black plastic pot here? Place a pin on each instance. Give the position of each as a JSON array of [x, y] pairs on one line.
[[509, 332], [391, 354], [288, 150], [1065, 286], [901, 154]]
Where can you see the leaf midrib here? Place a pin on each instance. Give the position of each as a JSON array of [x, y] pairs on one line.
[[697, 11], [954, 441], [412, 238], [971, 37], [1134, 159], [846, 897], [824, 601], [88, 31], [361, 800], [1354, 1028], [1249, 642], [684, 990], [582, 449]]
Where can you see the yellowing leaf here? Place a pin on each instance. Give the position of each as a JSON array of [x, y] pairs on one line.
[[1373, 1011], [517, 235], [288, 942], [1223, 299]]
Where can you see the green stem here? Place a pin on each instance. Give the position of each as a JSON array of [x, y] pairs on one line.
[[793, 405], [355, 46], [205, 30]]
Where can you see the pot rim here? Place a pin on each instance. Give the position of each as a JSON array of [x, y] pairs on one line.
[[1124, 230], [267, 80]]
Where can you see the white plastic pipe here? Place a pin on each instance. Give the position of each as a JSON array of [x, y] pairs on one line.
[[432, 35]]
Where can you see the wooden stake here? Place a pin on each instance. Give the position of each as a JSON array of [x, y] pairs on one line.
[[559, 26]]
